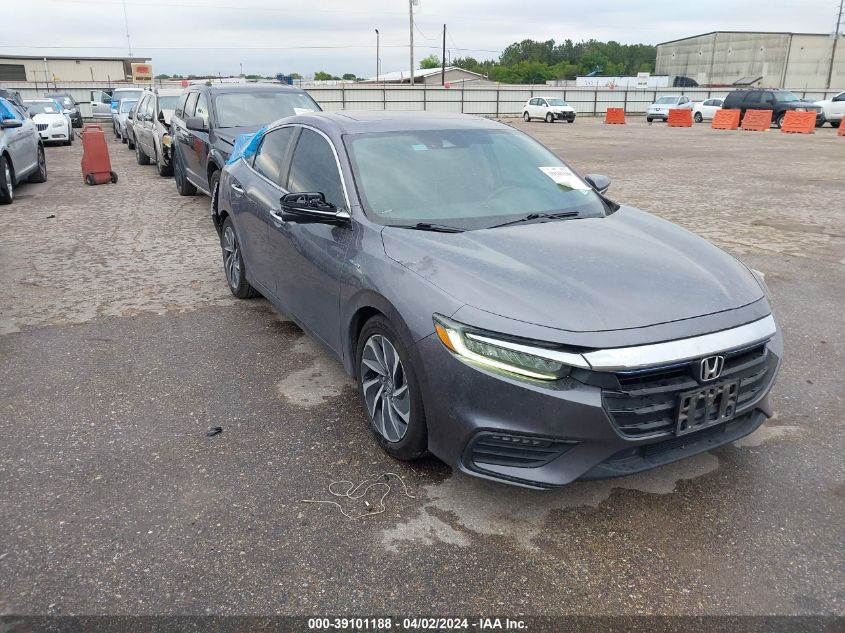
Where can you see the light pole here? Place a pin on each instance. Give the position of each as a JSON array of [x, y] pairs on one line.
[[377, 53], [411, 15]]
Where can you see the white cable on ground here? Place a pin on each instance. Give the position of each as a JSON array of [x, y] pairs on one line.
[[357, 491]]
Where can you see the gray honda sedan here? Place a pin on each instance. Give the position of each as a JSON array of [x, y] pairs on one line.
[[496, 308]]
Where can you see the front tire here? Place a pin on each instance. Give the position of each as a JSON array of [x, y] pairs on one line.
[[214, 187], [550, 117], [390, 391], [779, 121], [130, 143], [233, 263], [649, 119], [165, 171], [835, 123], [697, 117]]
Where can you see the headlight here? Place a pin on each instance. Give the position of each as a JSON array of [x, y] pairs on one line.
[[516, 358], [800, 109], [58, 123], [761, 279], [165, 140]]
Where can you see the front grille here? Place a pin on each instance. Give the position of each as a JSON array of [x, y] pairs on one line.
[[41, 126], [645, 404], [519, 451]]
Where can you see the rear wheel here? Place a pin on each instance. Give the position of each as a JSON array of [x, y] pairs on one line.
[[40, 174], [835, 123], [779, 120], [164, 171], [697, 117], [390, 391], [184, 187], [525, 117], [7, 187], [233, 263], [130, 143], [140, 156]]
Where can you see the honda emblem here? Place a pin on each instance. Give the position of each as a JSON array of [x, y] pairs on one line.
[[711, 368]]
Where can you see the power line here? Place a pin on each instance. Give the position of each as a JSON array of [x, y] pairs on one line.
[[238, 48]]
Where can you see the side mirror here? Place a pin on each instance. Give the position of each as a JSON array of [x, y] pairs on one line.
[[6, 124], [196, 123], [311, 208], [598, 182]]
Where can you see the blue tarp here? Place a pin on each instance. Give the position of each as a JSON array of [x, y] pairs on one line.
[[246, 145], [6, 111]]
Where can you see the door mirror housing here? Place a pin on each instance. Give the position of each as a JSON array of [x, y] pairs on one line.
[[196, 123], [311, 207], [6, 124], [598, 182]]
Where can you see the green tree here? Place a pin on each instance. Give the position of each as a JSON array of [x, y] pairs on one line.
[[162, 76], [321, 75], [349, 77], [432, 61]]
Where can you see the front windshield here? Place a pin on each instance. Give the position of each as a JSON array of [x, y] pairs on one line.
[[41, 107], [556, 102], [470, 179], [126, 105], [242, 109], [126, 94], [64, 100], [665, 100], [786, 96], [168, 103]]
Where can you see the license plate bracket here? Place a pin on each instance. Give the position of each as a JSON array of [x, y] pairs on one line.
[[705, 407]]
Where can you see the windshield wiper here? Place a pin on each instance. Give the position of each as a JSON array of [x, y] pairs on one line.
[[538, 216], [428, 226]]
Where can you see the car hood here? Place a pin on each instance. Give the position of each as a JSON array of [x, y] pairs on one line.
[[48, 118], [628, 270]]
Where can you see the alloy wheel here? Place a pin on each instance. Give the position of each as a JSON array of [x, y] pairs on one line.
[[385, 388], [231, 258]]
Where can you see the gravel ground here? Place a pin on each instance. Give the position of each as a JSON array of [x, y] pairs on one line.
[[120, 345]]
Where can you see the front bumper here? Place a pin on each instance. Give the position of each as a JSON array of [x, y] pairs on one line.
[[546, 434], [564, 116], [53, 135]]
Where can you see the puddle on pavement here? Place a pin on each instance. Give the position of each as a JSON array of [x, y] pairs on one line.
[[321, 379]]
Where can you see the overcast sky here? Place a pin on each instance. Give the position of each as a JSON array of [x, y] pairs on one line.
[[270, 36]]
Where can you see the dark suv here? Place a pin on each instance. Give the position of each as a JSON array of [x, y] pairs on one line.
[[208, 118], [778, 101]]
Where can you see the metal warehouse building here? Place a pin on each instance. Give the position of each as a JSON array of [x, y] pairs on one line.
[[38, 69], [783, 60]]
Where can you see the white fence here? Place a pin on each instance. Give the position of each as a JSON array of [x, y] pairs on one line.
[[491, 100]]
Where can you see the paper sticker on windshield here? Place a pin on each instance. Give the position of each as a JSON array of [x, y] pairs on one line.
[[564, 177], [298, 111]]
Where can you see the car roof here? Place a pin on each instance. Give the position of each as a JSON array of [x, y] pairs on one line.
[[369, 121], [246, 88]]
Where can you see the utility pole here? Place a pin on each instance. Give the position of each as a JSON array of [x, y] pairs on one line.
[[378, 36], [443, 60], [126, 24], [835, 40], [411, 14]]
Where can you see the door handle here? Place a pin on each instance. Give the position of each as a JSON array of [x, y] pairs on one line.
[[277, 214], [237, 188]]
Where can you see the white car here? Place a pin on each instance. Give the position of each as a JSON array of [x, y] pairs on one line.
[[706, 109], [660, 108], [54, 126], [833, 109], [122, 115], [550, 109]]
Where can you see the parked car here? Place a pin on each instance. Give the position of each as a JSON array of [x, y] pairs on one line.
[[660, 108], [706, 109], [13, 96], [117, 95], [209, 118], [415, 247], [101, 104], [832, 109], [151, 128], [550, 109], [70, 106], [54, 126], [778, 101], [21, 151], [129, 126], [126, 106]]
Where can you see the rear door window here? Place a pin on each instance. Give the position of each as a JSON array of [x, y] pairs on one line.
[[191, 104], [202, 107], [271, 154], [180, 106]]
